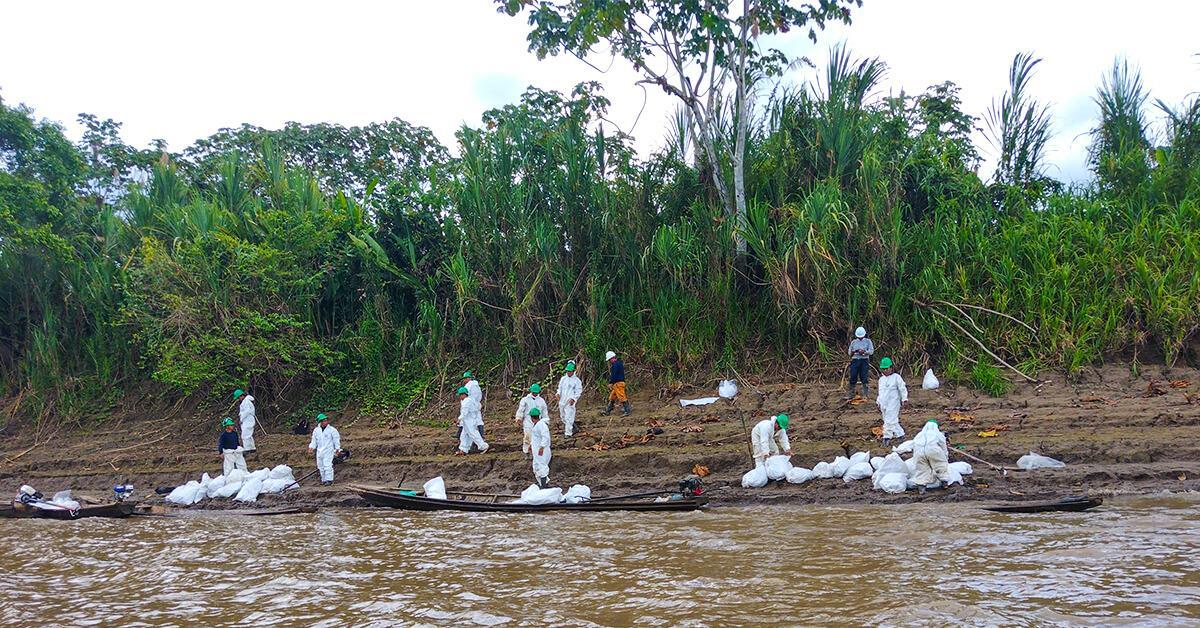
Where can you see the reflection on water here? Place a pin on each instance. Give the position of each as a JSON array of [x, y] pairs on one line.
[[1132, 562]]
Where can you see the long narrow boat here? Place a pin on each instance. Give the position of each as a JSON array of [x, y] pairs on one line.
[[17, 510], [494, 502], [1066, 504]]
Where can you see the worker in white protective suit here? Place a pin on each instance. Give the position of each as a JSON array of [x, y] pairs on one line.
[[930, 457], [528, 403], [247, 418], [539, 442], [769, 438], [570, 389], [470, 419], [892, 395], [476, 393], [327, 443], [229, 449]]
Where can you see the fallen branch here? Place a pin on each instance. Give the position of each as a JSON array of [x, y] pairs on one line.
[[18, 456], [1002, 314], [983, 346]]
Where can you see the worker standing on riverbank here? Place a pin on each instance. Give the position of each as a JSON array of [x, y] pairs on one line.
[[248, 419], [616, 384], [539, 442], [861, 350], [530, 402], [326, 443], [228, 447], [570, 389], [476, 393], [892, 395], [470, 419], [769, 438]]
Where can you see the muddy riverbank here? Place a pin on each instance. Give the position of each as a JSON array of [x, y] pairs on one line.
[[1118, 434]]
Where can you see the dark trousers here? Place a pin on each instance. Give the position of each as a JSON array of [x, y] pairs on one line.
[[860, 370]]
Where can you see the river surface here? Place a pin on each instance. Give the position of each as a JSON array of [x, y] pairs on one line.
[[1132, 562]]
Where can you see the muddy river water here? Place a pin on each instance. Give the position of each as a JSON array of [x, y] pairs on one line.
[[1134, 561]]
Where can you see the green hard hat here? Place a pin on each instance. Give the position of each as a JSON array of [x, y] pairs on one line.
[[238, 393], [322, 417], [782, 420], [467, 375], [885, 363], [226, 422], [934, 421], [535, 412], [462, 390], [535, 388], [570, 367]]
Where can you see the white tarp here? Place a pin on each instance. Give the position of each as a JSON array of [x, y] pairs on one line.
[[703, 401], [1038, 461]]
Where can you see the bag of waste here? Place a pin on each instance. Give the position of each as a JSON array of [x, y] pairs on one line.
[[703, 401], [861, 456], [859, 471], [215, 485], [876, 461], [728, 389], [230, 489], [435, 488], [903, 448], [250, 490], [271, 486], [911, 465], [184, 495], [259, 475], [798, 475], [63, 498], [755, 478], [577, 494], [963, 468], [892, 463], [953, 476], [930, 382], [236, 476], [777, 467], [892, 483], [838, 466], [535, 496], [822, 471], [1038, 461], [280, 472]]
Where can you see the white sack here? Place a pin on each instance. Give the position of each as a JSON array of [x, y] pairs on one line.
[[728, 389], [271, 486], [911, 465], [184, 495], [703, 401], [259, 475], [1038, 461], [535, 496], [237, 476], [838, 466], [230, 489], [777, 467], [250, 490], [960, 467], [860, 471], [577, 494], [861, 456], [954, 477], [876, 461], [215, 485], [822, 470], [435, 488], [892, 483], [63, 498], [930, 382], [755, 478], [903, 448], [798, 475], [280, 472]]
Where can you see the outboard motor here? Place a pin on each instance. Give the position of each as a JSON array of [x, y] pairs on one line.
[[122, 492], [28, 495]]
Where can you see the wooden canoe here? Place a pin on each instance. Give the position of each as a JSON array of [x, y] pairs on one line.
[[1066, 504], [494, 502], [17, 510]]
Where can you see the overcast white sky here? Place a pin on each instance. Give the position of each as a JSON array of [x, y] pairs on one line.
[[180, 70]]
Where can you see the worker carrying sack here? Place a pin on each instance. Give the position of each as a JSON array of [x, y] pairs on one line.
[[930, 382]]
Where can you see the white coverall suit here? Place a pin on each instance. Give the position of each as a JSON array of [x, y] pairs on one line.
[[248, 419], [470, 419], [529, 402], [233, 459], [892, 392], [326, 441], [930, 456], [767, 440], [540, 439], [474, 391], [570, 389]]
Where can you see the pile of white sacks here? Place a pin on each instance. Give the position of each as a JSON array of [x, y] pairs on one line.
[[534, 496], [240, 485], [891, 473]]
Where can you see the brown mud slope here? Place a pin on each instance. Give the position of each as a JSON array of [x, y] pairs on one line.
[[1117, 433]]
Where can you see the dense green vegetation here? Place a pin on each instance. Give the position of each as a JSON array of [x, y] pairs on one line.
[[360, 264]]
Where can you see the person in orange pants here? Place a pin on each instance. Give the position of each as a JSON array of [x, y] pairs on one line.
[[616, 384]]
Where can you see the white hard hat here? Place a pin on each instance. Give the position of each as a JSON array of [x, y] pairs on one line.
[[610, 355], [860, 333]]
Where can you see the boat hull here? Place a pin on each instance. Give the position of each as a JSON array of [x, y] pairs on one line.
[[1069, 504], [21, 511], [466, 502]]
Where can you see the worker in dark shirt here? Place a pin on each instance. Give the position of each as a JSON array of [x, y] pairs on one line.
[[616, 384], [229, 448]]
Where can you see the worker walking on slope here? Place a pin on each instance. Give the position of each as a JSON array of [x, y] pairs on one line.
[[248, 420], [470, 419], [326, 442], [616, 384], [570, 389], [476, 393], [861, 350], [229, 449], [930, 457], [539, 442], [769, 438], [530, 402], [892, 395]]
